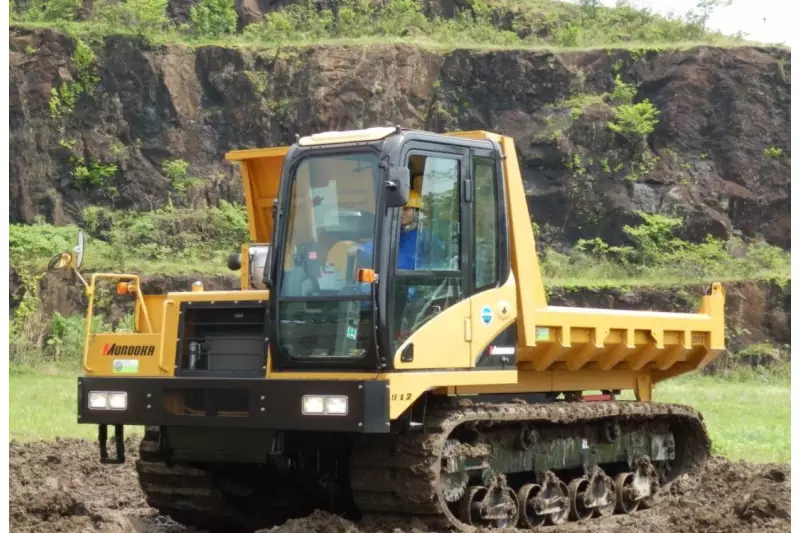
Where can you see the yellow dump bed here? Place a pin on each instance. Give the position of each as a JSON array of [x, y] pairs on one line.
[[667, 344], [658, 344]]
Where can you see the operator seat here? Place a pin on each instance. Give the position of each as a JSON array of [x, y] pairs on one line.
[[338, 257]]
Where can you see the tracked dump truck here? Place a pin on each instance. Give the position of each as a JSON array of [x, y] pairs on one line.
[[391, 351]]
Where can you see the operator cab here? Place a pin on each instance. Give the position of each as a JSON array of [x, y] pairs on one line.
[[355, 272]]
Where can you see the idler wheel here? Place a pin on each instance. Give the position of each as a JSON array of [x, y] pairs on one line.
[[528, 517], [626, 496], [578, 488], [452, 480]]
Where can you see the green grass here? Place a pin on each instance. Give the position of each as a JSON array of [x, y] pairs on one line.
[[425, 42], [530, 24], [43, 406], [748, 418]]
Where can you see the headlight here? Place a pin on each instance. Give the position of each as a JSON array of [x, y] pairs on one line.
[[98, 400], [313, 405], [336, 405], [108, 400], [324, 405], [117, 400]]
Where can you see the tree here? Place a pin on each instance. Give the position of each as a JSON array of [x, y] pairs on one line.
[[707, 8]]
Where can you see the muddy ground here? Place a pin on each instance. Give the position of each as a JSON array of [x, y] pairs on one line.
[[60, 486]]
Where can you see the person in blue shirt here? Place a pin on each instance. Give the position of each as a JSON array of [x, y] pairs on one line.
[[407, 246]]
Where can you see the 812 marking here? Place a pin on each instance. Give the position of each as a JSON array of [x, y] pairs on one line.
[[402, 396]]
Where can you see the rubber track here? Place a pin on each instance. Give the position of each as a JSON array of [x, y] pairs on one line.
[[398, 475], [185, 494]]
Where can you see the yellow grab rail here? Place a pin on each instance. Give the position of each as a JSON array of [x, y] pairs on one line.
[[161, 366], [89, 313]]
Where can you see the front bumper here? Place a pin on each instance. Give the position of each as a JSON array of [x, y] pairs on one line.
[[260, 403]]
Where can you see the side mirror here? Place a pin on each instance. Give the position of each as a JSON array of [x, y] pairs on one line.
[[79, 250], [65, 260], [398, 186]]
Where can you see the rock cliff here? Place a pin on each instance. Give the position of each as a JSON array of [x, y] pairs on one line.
[[719, 155]]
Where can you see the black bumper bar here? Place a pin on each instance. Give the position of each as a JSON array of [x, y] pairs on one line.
[[263, 403]]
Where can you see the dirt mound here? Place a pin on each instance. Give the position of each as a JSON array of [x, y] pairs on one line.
[[61, 487]]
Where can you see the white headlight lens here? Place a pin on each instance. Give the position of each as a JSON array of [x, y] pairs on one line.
[[117, 400], [313, 405], [336, 405], [98, 400]]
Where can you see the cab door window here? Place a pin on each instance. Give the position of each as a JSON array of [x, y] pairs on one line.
[[428, 276]]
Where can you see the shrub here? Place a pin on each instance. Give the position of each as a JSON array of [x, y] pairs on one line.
[[146, 17], [635, 119], [213, 18]]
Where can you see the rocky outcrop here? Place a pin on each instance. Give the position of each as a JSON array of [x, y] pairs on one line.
[[719, 155]]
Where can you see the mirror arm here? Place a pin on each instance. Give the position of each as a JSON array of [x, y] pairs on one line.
[[85, 284]]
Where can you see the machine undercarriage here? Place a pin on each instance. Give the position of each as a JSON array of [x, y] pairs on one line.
[[501, 465]]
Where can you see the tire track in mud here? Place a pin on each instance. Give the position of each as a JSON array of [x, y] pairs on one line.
[[60, 486]]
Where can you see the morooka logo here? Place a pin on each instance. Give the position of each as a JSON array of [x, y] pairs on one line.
[[125, 349]]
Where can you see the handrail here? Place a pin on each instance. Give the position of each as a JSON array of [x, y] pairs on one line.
[[90, 289], [161, 366]]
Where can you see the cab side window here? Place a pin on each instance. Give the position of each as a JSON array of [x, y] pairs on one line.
[[486, 267]]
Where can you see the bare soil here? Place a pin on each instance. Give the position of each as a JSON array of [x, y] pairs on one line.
[[60, 486]]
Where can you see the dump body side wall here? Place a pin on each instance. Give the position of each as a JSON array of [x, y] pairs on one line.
[[261, 175]]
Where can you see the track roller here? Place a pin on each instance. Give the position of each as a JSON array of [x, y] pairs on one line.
[[636, 489], [578, 499], [528, 517], [495, 506], [549, 502], [592, 495]]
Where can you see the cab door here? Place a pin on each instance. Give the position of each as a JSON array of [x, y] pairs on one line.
[[429, 308], [491, 283]]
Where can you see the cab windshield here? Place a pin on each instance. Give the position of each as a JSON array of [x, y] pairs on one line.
[[323, 310]]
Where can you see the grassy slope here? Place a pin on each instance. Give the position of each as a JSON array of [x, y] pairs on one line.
[[537, 24], [748, 419]]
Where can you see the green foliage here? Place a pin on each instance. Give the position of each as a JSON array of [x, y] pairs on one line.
[[163, 241], [623, 93], [773, 152], [635, 119], [147, 18], [93, 174], [177, 172], [46, 11], [24, 337], [65, 96], [213, 18], [38, 240], [479, 22], [656, 255], [186, 236], [761, 354]]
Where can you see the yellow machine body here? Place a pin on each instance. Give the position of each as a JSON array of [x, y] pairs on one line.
[[557, 348]]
